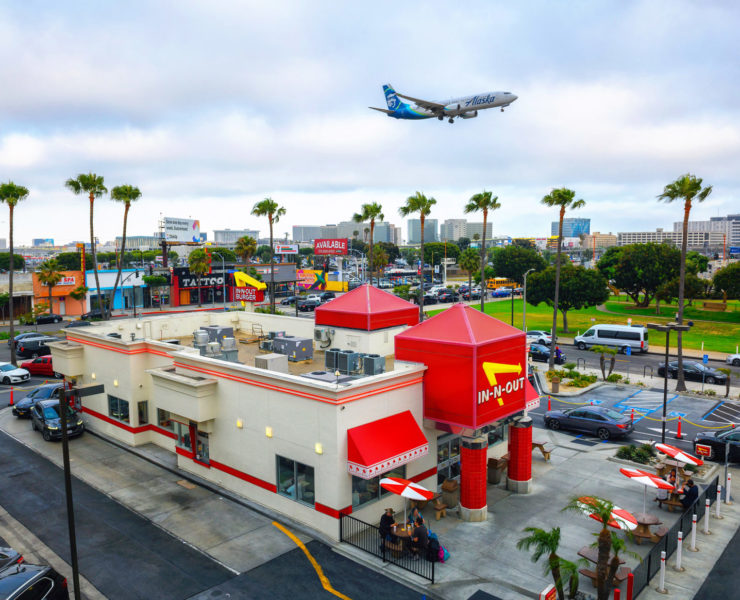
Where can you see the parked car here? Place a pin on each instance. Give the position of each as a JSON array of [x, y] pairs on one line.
[[307, 304], [316, 297], [9, 373], [717, 441], [598, 420], [448, 296], [48, 318], [26, 581], [289, 300], [77, 324], [9, 557], [46, 418], [501, 293], [26, 335], [31, 348], [23, 407], [693, 371], [95, 313], [734, 360], [537, 336], [472, 295], [518, 291], [385, 284], [326, 296], [541, 353], [621, 336], [41, 366]]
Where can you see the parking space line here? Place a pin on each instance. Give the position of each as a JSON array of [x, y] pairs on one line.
[[704, 418]]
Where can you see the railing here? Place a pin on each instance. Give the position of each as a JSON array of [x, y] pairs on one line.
[[578, 363], [650, 565], [367, 537], [644, 371]]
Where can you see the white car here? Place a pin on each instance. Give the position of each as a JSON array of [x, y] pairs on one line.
[[734, 360], [9, 373], [313, 297], [539, 337]]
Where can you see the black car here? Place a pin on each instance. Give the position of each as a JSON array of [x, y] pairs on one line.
[[45, 417], [25, 336], [693, 371], [428, 298], [474, 295], [95, 313], [77, 324], [717, 441], [598, 420], [23, 407], [25, 581], [9, 557], [289, 300], [48, 318], [448, 296], [308, 304], [326, 296], [541, 353], [34, 347]]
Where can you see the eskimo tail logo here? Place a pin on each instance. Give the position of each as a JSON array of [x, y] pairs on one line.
[[496, 391], [390, 97]]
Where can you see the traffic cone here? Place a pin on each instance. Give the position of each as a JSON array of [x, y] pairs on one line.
[[632, 415], [549, 400], [678, 432], [11, 396]]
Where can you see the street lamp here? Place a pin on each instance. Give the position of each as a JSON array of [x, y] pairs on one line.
[[524, 300], [223, 271], [666, 328]]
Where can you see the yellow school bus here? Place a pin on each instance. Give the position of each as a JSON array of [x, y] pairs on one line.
[[499, 282]]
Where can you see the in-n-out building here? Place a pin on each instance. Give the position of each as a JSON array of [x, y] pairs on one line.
[[312, 437]]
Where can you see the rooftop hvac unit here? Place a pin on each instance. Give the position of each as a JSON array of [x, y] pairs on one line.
[[200, 338], [373, 364], [216, 333], [348, 362], [213, 349], [295, 348], [228, 343], [274, 334], [229, 351], [272, 362], [266, 345], [321, 334], [330, 359]]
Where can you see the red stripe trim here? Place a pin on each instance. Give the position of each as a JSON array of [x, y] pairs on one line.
[[201, 463], [424, 475], [270, 487], [185, 453], [126, 427], [144, 350], [327, 510]]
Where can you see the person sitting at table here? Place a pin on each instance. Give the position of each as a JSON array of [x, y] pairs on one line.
[[419, 539], [690, 493], [387, 523], [662, 495], [415, 514]]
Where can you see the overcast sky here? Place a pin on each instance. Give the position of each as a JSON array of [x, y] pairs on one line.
[[210, 106]]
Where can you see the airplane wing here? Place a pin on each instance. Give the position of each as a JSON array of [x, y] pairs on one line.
[[385, 110], [434, 106]]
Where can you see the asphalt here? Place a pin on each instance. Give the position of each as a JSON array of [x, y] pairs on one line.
[[723, 580]]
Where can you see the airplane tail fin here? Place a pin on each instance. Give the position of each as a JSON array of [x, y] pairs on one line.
[[390, 97]]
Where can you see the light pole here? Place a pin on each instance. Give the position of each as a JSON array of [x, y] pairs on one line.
[[667, 328], [223, 271], [524, 300]]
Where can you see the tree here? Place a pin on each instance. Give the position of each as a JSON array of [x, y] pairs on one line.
[[419, 203], [524, 243], [11, 194], [514, 261], [199, 265], [727, 280], [604, 351], [4, 300], [434, 252], [125, 194], [49, 275], [155, 282], [79, 292], [579, 288], [18, 261], [728, 379], [545, 543], [484, 202], [463, 243], [369, 212], [379, 256], [391, 250], [608, 262], [696, 263], [246, 247], [641, 269], [694, 287], [94, 186], [469, 262], [270, 209], [687, 188], [562, 198], [69, 261]]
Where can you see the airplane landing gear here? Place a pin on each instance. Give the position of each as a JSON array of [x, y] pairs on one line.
[[451, 120], [441, 118], [502, 110]]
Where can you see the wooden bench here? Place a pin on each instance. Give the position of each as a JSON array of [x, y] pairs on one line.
[[395, 547], [716, 306], [544, 447], [619, 576], [660, 531], [671, 504], [440, 510]]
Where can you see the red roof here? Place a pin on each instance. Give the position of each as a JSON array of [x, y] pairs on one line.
[[367, 308], [383, 445]]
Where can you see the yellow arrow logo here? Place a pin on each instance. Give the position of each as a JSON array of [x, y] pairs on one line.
[[492, 369]]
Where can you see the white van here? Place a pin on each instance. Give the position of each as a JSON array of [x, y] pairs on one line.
[[621, 336]]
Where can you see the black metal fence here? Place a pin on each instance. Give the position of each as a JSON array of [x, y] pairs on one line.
[[650, 565], [367, 537]]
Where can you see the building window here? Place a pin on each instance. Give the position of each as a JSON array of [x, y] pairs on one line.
[[183, 436], [366, 491], [496, 434], [448, 458], [143, 410], [201, 447], [163, 418], [118, 409], [295, 480]]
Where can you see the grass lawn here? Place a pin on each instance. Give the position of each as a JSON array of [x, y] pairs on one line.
[[717, 336]]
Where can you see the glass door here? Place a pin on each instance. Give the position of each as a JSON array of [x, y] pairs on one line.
[[448, 458]]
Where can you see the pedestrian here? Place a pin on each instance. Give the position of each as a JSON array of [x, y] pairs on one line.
[[419, 539]]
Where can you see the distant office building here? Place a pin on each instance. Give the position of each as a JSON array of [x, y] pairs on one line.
[[599, 240], [3, 243], [472, 228], [430, 230], [697, 240], [42, 242], [223, 237], [572, 227], [397, 236], [306, 233], [726, 227], [138, 242], [453, 229]]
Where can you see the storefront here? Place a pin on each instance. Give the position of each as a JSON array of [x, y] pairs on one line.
[[189, 289], [61, 301], [129, 292]]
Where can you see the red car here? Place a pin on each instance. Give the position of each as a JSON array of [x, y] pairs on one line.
[[41, 366]]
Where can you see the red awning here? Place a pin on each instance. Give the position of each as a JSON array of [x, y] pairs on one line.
[[384, 444], [531, 397]]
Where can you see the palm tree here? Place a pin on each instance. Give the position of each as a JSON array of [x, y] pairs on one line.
[[49, 274], [126, 194], [601, 509], [199, 265], [94, 186], [419, 203], [469, 262], [545, 542], [603, 351], [484, 202], [564, 198], [687, 188], [245, 248], [370, 212], [270, 209], [11, 194]]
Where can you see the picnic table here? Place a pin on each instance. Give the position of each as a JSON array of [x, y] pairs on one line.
[[421, 504], [592, 555], [643, 532]]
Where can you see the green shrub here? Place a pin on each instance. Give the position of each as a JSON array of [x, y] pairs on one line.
[[690, 468], [649, 448], [641, 456], [266, 310], [579, 383], [710, 392], [4, 335], [625, 452], [572, 374], [614, 378], [569, 366]]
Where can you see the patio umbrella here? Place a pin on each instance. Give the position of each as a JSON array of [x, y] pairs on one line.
[[620, 518], [679, 455], [407, 489], [647, 480]]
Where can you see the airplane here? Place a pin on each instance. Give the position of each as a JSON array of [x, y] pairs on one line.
[[466, 107]]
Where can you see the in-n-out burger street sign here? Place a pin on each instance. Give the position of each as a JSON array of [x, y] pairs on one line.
[[248, 294], [330, 246]]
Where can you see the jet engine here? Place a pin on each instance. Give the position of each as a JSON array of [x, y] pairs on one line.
[[452, 109], [469, 115]]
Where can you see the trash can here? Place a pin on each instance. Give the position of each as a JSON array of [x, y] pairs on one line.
[[496, 468], [450, 493], [555, 385]]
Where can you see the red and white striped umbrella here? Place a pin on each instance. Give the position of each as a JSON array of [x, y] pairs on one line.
[[679, 455], [646, 479], [620, 518], [407, 489]]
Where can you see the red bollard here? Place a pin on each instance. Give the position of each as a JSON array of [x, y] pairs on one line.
[[548, 403], [617, 593], [630, 585], [678, 433], [11, 396]]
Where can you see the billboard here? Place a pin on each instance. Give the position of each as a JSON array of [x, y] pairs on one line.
[[314, 279], [181, 230], [248, 294], [286, 248], [330, 246], [284, 272]]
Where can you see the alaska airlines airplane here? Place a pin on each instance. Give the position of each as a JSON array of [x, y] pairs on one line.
[[466, 107]]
